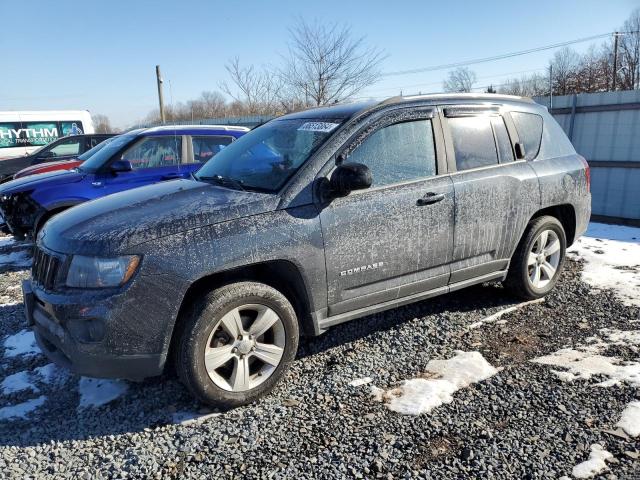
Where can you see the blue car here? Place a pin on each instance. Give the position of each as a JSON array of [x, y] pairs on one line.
[[137, 158]]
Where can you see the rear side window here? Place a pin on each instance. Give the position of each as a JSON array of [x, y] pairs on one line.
[[529, 127], [40, 133], [73, 127], [10, 135], [473, 142], [206, 146], [398, 153]]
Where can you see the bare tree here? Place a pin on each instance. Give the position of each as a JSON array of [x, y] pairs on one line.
[[208, 105], [629, 50], [259, 91], [526, 86], [564, 65], [459, 80], [327, 64], [101, 123]]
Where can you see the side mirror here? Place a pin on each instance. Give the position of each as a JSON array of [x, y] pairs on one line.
[[519, 147], [348, 177], [120, 166], [47, 154]]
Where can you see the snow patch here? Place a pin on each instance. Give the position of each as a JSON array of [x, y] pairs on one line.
[[496, 316], [22, 343], [443, 379], [95, 392], [19, 258], [594, 465], [630, 419], [612, 259], [585, 361], [190, 418], [18, 382], [52, 374], [358, 382], [7, 241], [21, 410]]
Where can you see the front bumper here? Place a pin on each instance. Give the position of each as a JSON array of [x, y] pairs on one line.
[[98, 334]]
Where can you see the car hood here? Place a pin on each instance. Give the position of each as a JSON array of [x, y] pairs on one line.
[[112, 224], [33, 168], [31, 182]]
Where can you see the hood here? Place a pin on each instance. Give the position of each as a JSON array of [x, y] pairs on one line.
[[48, 179], [111, 224], [59, 165]]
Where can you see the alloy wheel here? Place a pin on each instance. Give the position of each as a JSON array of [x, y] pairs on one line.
[[245, 347], [543, 259]]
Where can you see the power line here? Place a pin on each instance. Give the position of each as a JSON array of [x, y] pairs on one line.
[[414, 85], [495, 57]]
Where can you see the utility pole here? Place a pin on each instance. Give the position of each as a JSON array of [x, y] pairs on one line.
[[550, 87], [160, 99], [615, 58]]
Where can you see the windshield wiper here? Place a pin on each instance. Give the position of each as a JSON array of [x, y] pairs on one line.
[[224, 181]]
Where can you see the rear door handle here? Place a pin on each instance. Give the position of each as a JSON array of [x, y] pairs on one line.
[[429, 198]]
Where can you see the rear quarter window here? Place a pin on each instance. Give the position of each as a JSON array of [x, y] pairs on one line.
[[529, 127], [555, 142]]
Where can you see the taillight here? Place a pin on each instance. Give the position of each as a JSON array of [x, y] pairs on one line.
[[587, 173]]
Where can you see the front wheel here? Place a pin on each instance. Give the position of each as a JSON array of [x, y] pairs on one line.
[[538, 260], [236, 343]]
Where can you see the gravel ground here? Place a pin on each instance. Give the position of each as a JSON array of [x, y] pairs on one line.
[[521, 423]]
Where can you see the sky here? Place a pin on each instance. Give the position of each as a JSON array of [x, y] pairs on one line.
[[101, 56]]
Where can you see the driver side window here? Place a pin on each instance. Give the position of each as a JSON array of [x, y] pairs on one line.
[[398, 153], [154, 152]]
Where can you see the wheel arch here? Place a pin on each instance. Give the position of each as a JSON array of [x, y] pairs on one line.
[[566, 215], [282, 275], [50, 212]]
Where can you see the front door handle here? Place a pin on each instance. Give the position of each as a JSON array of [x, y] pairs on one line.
[[429, 198], [171, 176]]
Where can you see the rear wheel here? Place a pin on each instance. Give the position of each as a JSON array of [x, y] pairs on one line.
[[236, 343], [538, 260]]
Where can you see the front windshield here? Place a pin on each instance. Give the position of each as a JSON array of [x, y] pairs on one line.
[[96, 161], [265, 158], [96, 149]]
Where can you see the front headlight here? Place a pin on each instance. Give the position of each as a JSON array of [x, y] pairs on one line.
[[95, 272]]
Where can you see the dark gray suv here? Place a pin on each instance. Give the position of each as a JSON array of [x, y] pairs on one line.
[[313, 219]]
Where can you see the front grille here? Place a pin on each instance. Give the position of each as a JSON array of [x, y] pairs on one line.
[[45, 269]]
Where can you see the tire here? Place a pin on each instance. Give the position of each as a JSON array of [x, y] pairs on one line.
[[207, 333], [521, 278], [42, 221]]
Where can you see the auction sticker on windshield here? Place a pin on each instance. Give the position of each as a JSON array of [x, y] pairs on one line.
[[318, 126]]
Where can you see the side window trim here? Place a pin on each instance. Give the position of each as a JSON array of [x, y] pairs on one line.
[[497, 142]]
